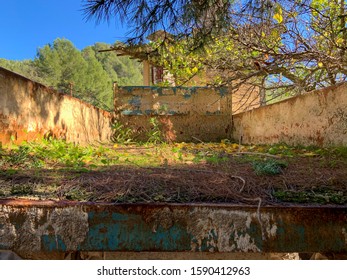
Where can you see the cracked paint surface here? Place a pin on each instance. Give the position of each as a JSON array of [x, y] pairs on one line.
[[70, 225], [233, 230], [58, 227]]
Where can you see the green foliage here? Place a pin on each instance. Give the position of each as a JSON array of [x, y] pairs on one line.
[[268, 167], [281, 149], [121, 134], [126, 71], [178, 60], [68, 171], [20, 157], [209, 157], [154, 134], [284, 47], [125, 135], [97, 84], [68, 154], [89, 74], [25, 68], [340, 152], [22, 189]]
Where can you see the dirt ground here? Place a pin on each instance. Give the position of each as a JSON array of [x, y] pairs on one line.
[[237, 178]]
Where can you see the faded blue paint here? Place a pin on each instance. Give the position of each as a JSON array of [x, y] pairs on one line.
[[119, 217], [174, 113], [159, 91], [52, 243], [135, 101], [131, 233], [169, 239], [149, 112], [130, 89], [206, 244], [296, 233], [223, 91], [136, 227], [255, 231], [132, 113], [187, 96]]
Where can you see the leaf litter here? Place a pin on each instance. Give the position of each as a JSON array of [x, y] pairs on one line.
[[177, 173]]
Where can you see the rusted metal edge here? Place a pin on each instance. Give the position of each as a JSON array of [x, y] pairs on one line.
[[51, 226], [63, 203]]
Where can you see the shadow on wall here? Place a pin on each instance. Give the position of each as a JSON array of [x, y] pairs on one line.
[[30, 111]]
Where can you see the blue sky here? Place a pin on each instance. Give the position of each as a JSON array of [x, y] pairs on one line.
[[27, 25]]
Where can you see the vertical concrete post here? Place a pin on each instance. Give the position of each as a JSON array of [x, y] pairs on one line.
[[146, 73]]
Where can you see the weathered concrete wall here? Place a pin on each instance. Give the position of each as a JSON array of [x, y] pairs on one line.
[[245, 98], [316, 118], [27, 227], [183, 113], [140, 100], [29, 110]]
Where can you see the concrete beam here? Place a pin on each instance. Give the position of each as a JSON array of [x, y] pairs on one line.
[[47, 226]]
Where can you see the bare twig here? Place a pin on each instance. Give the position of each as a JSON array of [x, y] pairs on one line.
[[197, 139]]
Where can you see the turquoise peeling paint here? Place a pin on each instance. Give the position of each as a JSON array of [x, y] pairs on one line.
[[188, 91], [255, 232], [223, 91], [131, 233], [295, 234], [206, 244], [135, 101], [136, 227], [52, 243], [132, 113]]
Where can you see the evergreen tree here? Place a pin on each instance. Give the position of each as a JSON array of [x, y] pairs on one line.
[[87, 74], [97, 83], [126, 71]]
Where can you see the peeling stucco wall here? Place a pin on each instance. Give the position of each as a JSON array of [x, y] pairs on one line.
[[28, 227], [316, 118], [184, 113], [29, 111], [32, 230]]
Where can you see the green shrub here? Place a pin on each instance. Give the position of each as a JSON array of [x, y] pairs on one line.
[[154, 134], [268, 167], [121, 134]]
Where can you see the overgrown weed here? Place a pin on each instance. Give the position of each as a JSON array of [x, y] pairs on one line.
[[269, 167], [154, 134]]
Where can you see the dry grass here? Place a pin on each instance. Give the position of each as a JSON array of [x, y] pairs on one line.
[[184, 173]]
